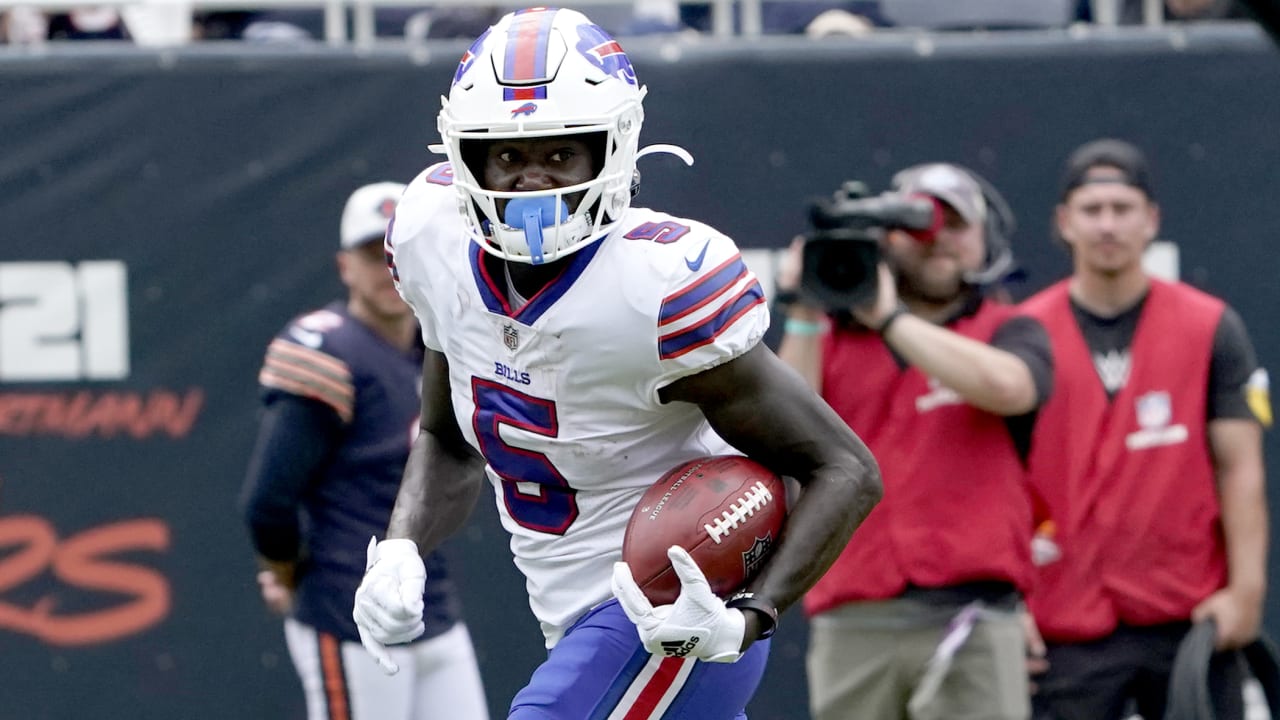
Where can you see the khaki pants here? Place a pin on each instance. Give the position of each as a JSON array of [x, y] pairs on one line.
[[866, 660]]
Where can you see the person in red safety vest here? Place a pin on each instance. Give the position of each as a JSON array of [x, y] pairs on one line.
[[920, 615], [1146, 464]]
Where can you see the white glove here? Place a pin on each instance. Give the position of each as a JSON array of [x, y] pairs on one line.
[[388, 607], [697, 625]]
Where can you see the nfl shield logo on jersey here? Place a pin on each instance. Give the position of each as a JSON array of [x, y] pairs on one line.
[[510, 337], [1154, 409]]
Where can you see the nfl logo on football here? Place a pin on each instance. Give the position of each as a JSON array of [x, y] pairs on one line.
[[755, 555], [510, 337]]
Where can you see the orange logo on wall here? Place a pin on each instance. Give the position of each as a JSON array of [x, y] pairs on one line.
[[29, 545], [84, 413]]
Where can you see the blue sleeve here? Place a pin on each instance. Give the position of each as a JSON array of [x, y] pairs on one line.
[[294, 439]]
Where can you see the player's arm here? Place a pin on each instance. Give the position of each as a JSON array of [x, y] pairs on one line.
[[1236, 446], [441, 482], [1237, 413], [765, 409], [443, 476], [801, 347], [294, 437], [1000, 380]]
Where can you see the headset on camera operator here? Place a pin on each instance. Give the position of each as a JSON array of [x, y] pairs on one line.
[[891, 315]]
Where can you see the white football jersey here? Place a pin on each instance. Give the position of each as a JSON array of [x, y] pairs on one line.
[[561, 395]]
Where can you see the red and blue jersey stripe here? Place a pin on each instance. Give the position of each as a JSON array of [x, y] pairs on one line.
[[718, 299]]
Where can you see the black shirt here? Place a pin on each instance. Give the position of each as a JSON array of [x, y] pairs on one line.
[[1232, 363]]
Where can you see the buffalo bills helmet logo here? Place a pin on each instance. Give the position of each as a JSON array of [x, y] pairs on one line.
[[605, 53], [469, 57], [525, 109]]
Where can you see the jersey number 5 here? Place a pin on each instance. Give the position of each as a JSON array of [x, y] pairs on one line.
[[536, 495]]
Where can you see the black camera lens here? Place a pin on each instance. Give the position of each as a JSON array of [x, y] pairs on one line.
[[843, 269], [839, 267]]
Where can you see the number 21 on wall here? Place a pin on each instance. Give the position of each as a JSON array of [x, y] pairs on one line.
[[60, 321]]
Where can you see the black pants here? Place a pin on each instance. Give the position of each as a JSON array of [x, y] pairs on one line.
[[1128, 671]]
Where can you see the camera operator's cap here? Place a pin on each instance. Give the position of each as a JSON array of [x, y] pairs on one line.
[[368, 210], [1115, 161], [947, 183]]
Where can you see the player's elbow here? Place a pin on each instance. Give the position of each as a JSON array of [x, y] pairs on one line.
[[273, 530], [870, 483], [864, 484]]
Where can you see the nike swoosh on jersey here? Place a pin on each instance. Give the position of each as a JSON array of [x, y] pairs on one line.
[[696, 263]]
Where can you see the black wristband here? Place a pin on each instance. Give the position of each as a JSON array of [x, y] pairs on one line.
[[893, 315], [783, 298], [768, 613]]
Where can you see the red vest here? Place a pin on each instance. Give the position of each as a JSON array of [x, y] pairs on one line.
[[955, 507], [1129, 484]]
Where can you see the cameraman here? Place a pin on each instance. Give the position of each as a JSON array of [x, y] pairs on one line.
[[921, 615]]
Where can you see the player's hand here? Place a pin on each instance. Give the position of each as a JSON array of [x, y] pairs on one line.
[[875, 311], [388, 606], [1238, 617], [275, 593], [1037, 660], [791, 267], [697, 625]]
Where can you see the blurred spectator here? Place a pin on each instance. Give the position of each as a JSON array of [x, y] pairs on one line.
[[1129, 12], [223, 25], [23, 25], [838, 23], [649, 17], [91, 22], [793, 16], [449, 22], [978, 14], [28, 25], [412, 23]]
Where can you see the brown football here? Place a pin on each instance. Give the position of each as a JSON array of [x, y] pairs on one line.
[[726, 510]]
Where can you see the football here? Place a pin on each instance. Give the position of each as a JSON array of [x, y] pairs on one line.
[[726, 510]]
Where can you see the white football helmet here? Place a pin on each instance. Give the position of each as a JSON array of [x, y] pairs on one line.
[[544, 72]]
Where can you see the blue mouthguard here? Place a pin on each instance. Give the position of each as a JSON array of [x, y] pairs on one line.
[[531, 215]]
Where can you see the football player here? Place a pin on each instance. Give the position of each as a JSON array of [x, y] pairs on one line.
[[578, 348], [340, 410]]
